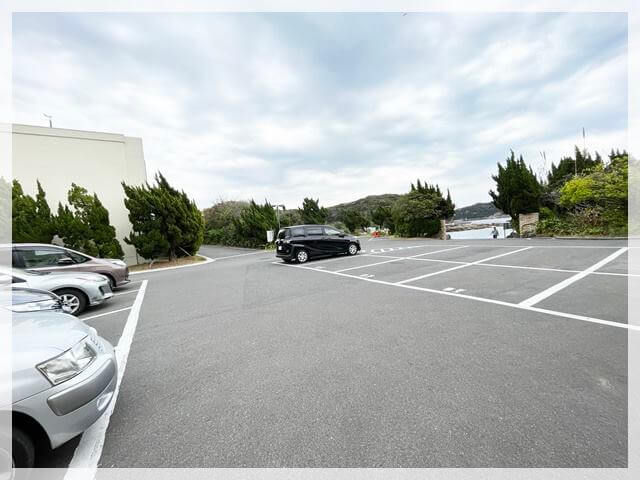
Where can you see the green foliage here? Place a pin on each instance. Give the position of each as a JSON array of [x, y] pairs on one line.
[[218, 220], [32, 219], [165, 221], [290, 217], [340, 226], [312, 213], [86, 227], [568, 166], [517, 188], [354, 220], [593, 203], [365, 205], [418, 213], [382, 217], [252, 224]]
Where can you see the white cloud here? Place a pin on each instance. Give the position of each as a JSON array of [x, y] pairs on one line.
[[330, 106]]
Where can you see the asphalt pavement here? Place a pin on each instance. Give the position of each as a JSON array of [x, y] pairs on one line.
[[247, 362]]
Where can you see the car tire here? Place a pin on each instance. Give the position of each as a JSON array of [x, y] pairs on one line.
[[352, 249], [23, 451], [112, 282], [302, 255], [75, 298]]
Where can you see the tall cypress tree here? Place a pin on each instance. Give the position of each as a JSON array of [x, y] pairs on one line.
[[312, 213], [517, 188], [165, 221], [86, 226], [32, 219]]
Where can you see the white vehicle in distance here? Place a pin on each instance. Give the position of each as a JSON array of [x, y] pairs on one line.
[[64, 378], [78, 290]]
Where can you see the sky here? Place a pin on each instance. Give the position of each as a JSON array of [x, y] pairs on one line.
[[331, 106]]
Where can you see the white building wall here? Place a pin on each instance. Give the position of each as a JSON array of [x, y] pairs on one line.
[[96, 161]]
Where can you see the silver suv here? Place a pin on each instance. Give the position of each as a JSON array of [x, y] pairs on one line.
[[64, 377]]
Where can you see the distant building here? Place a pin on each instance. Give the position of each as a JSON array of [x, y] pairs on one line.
[[96, 161]]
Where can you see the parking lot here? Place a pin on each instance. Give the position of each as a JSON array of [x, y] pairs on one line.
[[414, 353]]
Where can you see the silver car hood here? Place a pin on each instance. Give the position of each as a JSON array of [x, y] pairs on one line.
[[46, 331], [37, 337]]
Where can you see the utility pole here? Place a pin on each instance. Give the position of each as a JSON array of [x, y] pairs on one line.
[[49, 117], [278, 213]]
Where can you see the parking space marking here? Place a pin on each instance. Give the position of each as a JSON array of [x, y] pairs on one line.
[[106, 313], [125, 293], [85, 459], [477, 299], [438, 251], [529, 302], [498, 265], [370, 264], [396, 259], [408, 280]]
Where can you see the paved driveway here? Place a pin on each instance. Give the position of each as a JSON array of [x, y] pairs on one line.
[[412, 354]]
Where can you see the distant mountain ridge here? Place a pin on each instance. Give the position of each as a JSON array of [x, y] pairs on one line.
[[369, 203], [477, 210], [364, 205]]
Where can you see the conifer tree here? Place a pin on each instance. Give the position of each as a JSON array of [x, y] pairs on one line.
[[165, 222], [85, 226], [517, 188], [32, 219], [312, 213]]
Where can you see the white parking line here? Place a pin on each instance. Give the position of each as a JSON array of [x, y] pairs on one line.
[[529, 302], [370, 264], [105, 313], [477, 299], [408, 280], [438, 251], [126, 293], [84, 464], [396, 259], [498, 265]]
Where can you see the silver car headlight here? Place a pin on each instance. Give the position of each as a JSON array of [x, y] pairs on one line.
[[119, 263], [68, 364], [49, 304]]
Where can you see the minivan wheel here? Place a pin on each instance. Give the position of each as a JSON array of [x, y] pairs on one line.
[[302, 256], [74, 298], [23, 451], [353, 249]]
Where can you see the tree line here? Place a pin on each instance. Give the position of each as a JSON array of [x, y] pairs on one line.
[[244, 223], [165, 222], [581, 195]]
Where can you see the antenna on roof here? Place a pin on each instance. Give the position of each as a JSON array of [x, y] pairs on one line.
[[49, 117]]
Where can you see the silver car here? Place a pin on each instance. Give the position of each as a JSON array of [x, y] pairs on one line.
[[78, 290], [64, 378]]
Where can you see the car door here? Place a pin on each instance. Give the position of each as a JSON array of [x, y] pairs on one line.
[[335, 240], [44, 258], [314, 240]]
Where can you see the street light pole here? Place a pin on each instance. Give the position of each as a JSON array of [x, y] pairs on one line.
[[278, 213]]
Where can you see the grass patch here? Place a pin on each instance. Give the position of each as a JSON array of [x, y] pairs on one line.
[[166, 263]]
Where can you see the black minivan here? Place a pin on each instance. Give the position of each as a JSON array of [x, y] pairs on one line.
[[302, 242]]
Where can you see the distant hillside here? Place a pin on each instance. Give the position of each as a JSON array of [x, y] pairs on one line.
[[364, 205], [477, 210]]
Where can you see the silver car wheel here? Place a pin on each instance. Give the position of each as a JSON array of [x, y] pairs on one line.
[[302, 256], [353, 249], [72, 301]]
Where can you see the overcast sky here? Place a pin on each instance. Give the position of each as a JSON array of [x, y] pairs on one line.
[[335, 106]]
